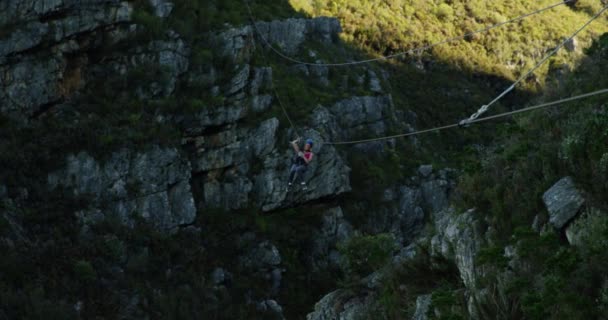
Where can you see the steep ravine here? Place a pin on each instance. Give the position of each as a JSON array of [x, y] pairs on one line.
[[145, 177], [57, 52]]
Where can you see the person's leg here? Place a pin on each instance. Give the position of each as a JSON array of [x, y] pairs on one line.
[[301, 174], [293, 174]]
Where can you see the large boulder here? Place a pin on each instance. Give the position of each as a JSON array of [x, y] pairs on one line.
[[335, 229], [328, 176], [154, 185], [563, 201]]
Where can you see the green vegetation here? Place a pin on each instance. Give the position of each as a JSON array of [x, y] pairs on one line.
[[558, 281], [169, 272], [418, 276], [363, 255], [385, 27]]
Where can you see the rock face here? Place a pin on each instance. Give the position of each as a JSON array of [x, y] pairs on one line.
[[352, 117], [563, 201], [291, 33], [404, 208], [49, 27], [153, 185], [343, 305], [335, 229], [423, 304]]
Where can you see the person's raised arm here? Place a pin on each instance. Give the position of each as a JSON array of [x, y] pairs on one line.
[[295, 146]]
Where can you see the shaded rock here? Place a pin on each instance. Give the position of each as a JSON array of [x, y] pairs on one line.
[[375, 85], [459, 237], [239, 81], [271, 308], [436, 194], [423, 305], [162, 8], [571, 45], [289, 34], [217, 276], [354, 117], [343, 305], [265, 255], [563, 201], [236, 146], [327, 175], [334, 230], [153, 185], [425, 171], [262, 80]]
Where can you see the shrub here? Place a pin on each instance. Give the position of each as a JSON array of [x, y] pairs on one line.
[[84, 271], [362, 255], [444, 12]]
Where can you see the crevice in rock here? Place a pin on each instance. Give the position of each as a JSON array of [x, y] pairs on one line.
[[45, 108]]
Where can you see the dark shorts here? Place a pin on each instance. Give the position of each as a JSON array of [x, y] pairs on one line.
[[301, 168]]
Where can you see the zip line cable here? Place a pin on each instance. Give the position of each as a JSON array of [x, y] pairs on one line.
[[475, 117], [502, 115], [485, 108], [276, 93], [400, 54]]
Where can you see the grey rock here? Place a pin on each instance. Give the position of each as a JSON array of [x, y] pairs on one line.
[[335, 229], [3, 191], [343, 304], [236, 146], [276, 276], [289, 34], [262, 80], [571, 45], [425, 170], [261, 103], [162, 8], [153, 185], [423, 305], [263, 256], [327, 175], [25, 91], [239, 81], [272, 308], [363, 113], [458, 238], [436, 194], [563, 201], [375, 85], [410, 212], [218, 276], [354, 117]]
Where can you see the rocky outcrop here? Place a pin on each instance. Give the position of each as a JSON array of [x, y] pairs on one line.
[[404, 209], [262, 260], [335, 229], [152, 185], [51, 29], [354, 117], [289, 34], [343, 305], [563, 201], [423, 305]]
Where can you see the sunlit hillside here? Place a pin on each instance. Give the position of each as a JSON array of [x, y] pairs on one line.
[[386, 27]]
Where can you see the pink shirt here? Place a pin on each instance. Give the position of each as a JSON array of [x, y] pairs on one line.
[[308, 155]]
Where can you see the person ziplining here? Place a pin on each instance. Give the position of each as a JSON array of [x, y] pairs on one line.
[[300, 163]]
